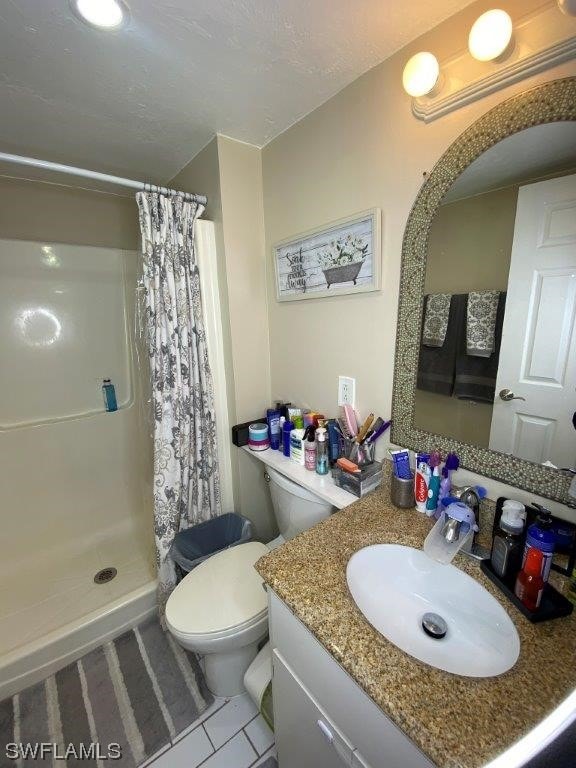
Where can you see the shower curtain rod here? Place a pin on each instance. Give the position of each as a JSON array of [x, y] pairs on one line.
[[140, 185]]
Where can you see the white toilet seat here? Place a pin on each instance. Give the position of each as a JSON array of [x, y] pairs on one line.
[[222, 598]]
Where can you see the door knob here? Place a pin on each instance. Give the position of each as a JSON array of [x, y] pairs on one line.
[[507, 395]]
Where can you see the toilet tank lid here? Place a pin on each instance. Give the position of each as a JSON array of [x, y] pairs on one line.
[[223, 592]]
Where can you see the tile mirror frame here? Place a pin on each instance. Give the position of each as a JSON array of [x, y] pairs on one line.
[[551, 102]]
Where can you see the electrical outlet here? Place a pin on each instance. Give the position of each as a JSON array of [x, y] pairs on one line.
[[346, 390]]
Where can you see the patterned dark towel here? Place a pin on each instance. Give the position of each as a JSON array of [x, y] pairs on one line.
[[481, 322], [476, 376], [436, 365]]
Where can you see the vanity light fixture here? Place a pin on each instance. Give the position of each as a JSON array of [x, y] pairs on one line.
[[420, 74], [104, 14], [540, 40], [490, 35]]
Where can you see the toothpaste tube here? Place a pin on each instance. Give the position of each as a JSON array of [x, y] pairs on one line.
[[401, 461], [422, 481]]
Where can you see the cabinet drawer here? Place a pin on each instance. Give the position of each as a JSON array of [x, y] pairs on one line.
[[381, 742]]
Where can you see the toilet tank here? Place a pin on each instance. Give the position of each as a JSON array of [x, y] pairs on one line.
[[295, 508]]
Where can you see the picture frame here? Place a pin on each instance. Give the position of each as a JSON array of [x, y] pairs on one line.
[[338, 258]]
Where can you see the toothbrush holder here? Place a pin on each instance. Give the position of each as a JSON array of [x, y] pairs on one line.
[[363, 455], [402, 492]]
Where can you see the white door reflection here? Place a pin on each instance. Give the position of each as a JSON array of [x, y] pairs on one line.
[[39, 327]]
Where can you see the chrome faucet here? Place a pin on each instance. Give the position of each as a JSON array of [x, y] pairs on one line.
[[469, 496]]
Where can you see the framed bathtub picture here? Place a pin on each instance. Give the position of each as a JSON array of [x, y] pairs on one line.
[[338, 258]]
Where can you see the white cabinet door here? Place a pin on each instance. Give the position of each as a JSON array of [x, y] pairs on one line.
[[305, 735], [538, 352]]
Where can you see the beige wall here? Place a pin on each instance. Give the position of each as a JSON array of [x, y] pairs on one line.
[[361, 149], [230, 174], [468, 250], [33, 210], [470, 243]]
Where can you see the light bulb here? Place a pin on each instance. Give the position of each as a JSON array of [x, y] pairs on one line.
[[420, 74], [490, 35], [105, 14]]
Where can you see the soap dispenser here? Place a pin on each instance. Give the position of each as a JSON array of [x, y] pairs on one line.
[[455, 526], [507, 550]]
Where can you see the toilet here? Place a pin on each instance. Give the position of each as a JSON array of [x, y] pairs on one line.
[[219, 609]]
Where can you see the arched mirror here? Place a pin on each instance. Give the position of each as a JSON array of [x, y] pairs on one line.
[[486, 341]]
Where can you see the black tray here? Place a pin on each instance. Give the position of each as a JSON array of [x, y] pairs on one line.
[[531, 514], [553, 605]]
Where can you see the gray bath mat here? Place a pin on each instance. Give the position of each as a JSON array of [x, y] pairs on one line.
[[137, 692]]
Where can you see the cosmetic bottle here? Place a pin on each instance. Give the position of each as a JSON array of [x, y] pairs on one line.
[[273, 419], [310, 448], [540, 536], [297, 446], [321, 451], [333, 442], [287, 427], [109, 395], [530, 584], [506, 555]]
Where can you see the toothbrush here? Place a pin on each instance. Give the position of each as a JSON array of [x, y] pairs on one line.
[[451, 465], [445, 484], [434, 486], [452, 462], [363, 431], [375, 426], [379, 432]]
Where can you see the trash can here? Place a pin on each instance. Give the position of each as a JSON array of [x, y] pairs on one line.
[[195, 544]]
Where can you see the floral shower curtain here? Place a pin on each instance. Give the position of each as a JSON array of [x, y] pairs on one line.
[[186, 479]]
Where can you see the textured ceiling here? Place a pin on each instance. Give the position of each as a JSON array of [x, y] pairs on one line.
[[144, 100]]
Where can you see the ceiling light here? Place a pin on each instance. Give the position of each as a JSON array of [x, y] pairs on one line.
[[104, 14], [420, 74], [490, 35]]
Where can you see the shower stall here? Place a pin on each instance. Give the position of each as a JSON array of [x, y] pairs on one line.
[[76, 480]]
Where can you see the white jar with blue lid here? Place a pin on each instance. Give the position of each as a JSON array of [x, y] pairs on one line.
[[258, 439]]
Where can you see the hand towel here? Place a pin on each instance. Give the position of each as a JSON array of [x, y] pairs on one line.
[[481, 322], [476, 376], [436, 365], [436, 315]]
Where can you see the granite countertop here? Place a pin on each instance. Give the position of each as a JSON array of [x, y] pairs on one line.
[[456, 721]]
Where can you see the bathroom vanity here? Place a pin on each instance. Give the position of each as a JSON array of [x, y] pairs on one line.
[[343, 694]]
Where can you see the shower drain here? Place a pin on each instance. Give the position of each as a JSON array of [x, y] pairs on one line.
[[105, 575]]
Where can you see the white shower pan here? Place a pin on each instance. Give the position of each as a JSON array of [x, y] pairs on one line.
[[79, 616]]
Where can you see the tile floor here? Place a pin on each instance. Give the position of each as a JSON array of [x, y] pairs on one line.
[[230, 734]]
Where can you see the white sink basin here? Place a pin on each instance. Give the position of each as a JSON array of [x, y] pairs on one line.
[[395, 586]]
